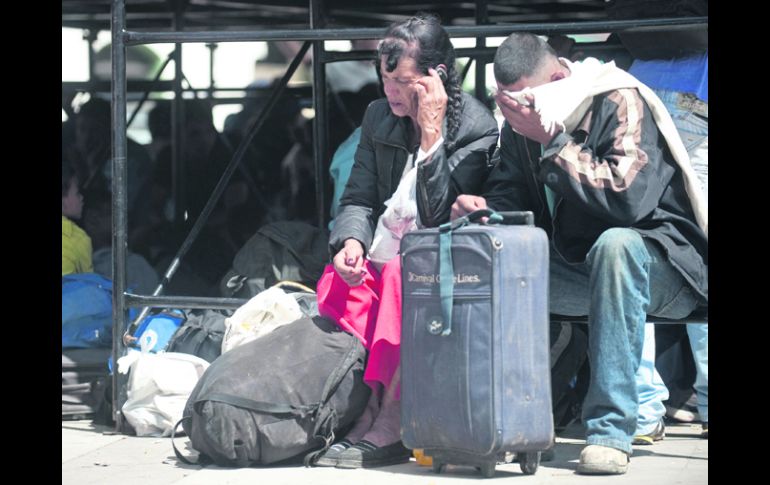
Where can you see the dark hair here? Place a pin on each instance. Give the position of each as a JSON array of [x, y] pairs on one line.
[[424, 39], [521, 54], [97, 218]]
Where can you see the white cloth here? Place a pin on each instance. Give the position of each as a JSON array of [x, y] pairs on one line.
[[563, 103]]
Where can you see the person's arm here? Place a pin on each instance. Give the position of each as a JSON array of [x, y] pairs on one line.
[[359, 200], [618, 172], [463, 170], [506, 189]]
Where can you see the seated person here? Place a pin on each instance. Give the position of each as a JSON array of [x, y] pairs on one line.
[[593, 153], [429, 142], [75, 243]]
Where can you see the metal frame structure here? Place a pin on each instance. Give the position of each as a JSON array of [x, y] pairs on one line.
[[315, 36]]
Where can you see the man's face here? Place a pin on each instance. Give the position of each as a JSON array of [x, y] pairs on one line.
[[399, 86]]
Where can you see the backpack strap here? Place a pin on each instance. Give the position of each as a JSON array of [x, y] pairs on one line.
[[176, 451]]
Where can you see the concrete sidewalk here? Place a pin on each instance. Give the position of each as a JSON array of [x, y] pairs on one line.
[[92, 454]]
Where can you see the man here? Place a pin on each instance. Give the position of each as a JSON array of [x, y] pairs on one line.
[[619, 201]]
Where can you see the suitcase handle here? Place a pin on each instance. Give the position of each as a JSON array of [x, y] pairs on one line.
[[508, 218], [524, 218]]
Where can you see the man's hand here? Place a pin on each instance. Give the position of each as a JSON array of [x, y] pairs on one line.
[[431, 108], [523, 119], [465, 204], [349, 262]]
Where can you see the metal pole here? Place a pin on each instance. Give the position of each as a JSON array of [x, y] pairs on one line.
[[178, 166], [482, 18], [146, 94], [212, 46], [221, 185], [496, 30], [90, 37], [119, 201], [183, 301], [320, 122]]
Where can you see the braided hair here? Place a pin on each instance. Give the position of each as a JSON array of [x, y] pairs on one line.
[[423, 39]]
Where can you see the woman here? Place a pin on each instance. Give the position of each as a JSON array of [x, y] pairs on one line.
[[431, 142]]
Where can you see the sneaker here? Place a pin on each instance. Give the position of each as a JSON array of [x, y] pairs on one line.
[[683, 415], [331, 456], [366, 454], [602, 460], [705, 430], [657, 434]]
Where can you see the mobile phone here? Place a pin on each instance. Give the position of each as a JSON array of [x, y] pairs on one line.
[[441, 70]]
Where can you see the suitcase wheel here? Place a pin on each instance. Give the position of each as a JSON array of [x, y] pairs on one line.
[[438, 467], [529, 462], [487, 469]]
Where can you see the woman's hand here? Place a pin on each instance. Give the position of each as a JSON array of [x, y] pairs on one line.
[[349, 262], [431, 108]]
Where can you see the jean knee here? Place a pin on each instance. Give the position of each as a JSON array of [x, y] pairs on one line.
[[618, 244]]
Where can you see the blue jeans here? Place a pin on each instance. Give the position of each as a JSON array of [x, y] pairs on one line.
[[650, 386], [624, 278], [694, 131], [699, 343]]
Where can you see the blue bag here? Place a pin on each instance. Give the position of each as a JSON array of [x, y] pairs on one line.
[[86, 311], [158, 328]]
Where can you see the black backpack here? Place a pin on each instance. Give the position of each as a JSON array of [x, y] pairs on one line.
[[201, 334], [277, 397], [279, 251]]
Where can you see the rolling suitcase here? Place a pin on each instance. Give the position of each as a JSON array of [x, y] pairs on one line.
[[475, 370]]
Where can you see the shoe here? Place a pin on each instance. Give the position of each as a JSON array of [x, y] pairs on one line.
[[366, 454], [657, 434], [602, 460], [332, 455], [683, 415], [705, 430]]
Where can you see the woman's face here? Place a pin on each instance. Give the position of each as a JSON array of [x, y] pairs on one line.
[[399, 86]]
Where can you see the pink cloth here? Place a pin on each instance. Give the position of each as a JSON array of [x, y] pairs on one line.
[[371, 312]]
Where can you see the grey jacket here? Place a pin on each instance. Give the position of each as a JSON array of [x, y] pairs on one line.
[[457, 168]]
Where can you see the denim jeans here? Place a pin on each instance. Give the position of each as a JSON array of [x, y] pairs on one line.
[[693, 130], [624, 278], [699, 343], [650, 386]]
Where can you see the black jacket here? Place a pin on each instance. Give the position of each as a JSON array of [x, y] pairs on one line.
[[381, 156], [613, 170]]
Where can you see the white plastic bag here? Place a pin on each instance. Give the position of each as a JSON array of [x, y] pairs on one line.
[[262, 314], [399, 218], [158, 387]]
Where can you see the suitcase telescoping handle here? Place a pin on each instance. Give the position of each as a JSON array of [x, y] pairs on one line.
[[446, 267]]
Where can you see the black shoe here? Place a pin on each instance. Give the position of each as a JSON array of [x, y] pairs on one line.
[[332, 455], [366, 454]]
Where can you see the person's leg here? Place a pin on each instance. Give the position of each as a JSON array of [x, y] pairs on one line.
[[354, 309], [384, 358], [629, 278], [381, 444], [652, 392], [699, 342]]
